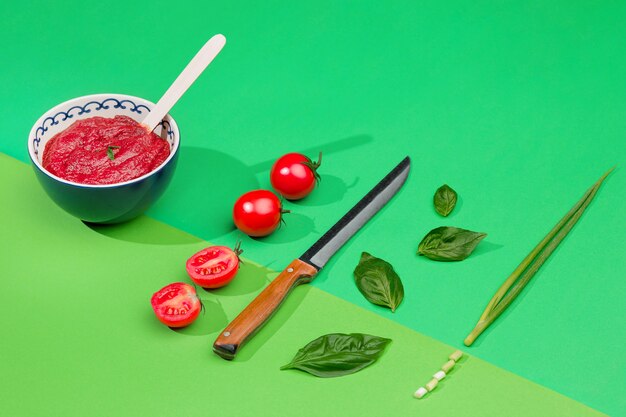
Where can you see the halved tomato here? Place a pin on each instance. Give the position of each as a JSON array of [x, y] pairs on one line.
[[214, 266], [176, 305]]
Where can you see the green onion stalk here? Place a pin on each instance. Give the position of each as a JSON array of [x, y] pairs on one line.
[[516, 282]]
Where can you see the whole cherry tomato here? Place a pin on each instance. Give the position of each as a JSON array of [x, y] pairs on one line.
[[258, 213], [294, 175], [214, 266], [176, 305]]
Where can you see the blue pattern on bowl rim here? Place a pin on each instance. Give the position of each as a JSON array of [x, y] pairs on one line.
[[100, 105], [102, 203]]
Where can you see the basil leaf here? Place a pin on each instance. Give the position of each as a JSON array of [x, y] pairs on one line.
[[338, 354], [449, 243], [444, 200], [110, 153], [378, 282]]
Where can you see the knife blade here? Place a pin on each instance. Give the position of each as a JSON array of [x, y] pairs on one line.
[[303, 269]]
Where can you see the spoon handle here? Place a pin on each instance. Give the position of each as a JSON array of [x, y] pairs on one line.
[[195, 67]]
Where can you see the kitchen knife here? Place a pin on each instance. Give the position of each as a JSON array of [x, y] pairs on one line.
[[304, 269]]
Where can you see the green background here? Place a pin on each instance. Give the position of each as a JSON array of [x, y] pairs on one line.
[[519, 106]]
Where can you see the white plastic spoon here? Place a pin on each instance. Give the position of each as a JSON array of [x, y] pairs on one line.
[[195, 67]]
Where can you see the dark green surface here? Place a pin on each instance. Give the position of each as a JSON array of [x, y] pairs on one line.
[[518, 106]]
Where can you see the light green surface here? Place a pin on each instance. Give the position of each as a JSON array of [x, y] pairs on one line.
[[80, 339], [519, 106]]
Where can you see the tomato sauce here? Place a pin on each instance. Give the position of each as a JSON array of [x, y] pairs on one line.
[[101, 150]]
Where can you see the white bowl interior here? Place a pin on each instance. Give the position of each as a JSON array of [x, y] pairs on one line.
[[63, 115]]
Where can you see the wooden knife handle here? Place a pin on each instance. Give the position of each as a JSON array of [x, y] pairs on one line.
[[261, 308]]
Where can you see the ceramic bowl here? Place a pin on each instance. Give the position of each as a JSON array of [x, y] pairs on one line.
[[111, 203]]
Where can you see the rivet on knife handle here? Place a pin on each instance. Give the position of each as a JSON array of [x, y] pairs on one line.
[[261, 308]]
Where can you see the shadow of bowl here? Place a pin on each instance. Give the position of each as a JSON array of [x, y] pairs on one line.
[[203, 191], [143, 229]]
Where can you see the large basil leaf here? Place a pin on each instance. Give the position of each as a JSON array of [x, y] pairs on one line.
[[378, 282], [338, 354], [444, 200], [449, 243]]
